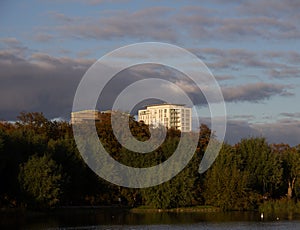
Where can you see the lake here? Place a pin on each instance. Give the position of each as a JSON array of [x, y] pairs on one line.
[[116, 218]]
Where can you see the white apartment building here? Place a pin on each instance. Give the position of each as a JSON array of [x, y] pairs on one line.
[[175, 116]]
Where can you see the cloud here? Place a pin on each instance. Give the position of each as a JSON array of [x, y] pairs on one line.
[[226, 25], [254, 92], [239, 129], [61, 17], [84, 53], [10, 41], [205, 26], [42, 37], [137, 73], [242, 117], [13, 46], [93, 2], [199, 23], [285, 73], [96, 2], [281, 132], [294, 57], [120, 24], [275, 8], [45, 83], [39, 83], [224, 77], [290, 115], [276, 132], [236, 59], [251, 92], [236, 129]]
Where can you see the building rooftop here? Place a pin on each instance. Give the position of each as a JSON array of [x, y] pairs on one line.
[[86, 110], [164, 105]]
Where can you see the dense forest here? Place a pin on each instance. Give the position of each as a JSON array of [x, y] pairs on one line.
[[41, 168]]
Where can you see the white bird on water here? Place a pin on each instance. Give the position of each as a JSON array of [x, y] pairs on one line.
[[262, 216]]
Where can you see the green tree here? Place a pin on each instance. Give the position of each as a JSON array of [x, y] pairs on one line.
[[225, 184], [41, 178], [159, 196], [179, 191], [263, 166], [291, 167]]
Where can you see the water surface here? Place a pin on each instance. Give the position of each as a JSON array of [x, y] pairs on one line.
[[116, 218]]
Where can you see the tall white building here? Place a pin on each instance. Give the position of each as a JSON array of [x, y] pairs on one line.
[[175, 116]]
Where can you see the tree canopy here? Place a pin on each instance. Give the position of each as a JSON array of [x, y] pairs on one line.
[[40, 166]]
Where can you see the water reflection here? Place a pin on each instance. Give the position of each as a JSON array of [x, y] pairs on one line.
[[116, 218]]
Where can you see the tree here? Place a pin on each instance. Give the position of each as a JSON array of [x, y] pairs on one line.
[[291, 167], [41, 178], [177, 192], [225, 184], [33, 120], [1, 144], [204, 137], [263, 166]]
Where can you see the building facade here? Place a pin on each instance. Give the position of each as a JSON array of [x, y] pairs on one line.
[[85, 116], [175, 116]]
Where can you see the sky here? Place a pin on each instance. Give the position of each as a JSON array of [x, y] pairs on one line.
[[251, 47]]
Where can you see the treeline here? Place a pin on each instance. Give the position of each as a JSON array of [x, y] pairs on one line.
[[40, 167]]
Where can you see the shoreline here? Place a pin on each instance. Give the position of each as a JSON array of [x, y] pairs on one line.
[[115, 208], [268, 209], [204, 209]]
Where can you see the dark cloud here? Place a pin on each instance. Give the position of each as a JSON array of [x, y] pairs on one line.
[[38, 83], [146, 71], [254, 92], [41, 82]]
